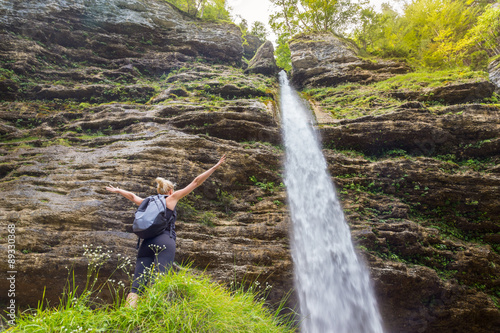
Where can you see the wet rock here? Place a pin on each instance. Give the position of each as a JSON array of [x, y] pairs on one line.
[[171, 92], [263, 62], [161, 26], [94, 93], [421, 285], [8, 89]]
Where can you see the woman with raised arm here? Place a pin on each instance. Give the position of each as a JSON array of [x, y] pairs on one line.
[[160, 249]]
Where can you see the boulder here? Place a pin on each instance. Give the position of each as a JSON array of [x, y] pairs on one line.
[[326, 59], [251, 46], [263, 62]]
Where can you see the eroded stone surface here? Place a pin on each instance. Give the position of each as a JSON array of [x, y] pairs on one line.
[[263, 62], [325, 59], [419, 185]]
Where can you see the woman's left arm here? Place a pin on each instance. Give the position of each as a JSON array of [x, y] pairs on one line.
[[129, 195]]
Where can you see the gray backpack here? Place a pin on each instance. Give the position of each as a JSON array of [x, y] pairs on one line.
[[151, 218]]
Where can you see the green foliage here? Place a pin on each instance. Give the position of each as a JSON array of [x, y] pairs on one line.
[[479, 61], [433, 33], [377, 33], [354, 100], [282, 52], [186, 209], [484, 36], [258, 29], [294, 16], [266, 186], [225, 199], [208, 219], [210, 10], [429, 33]]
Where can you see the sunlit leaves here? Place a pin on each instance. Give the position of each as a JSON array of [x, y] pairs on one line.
[[212, 10], [431, 33]]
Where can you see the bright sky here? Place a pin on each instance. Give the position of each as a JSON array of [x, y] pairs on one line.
[[259, 10]]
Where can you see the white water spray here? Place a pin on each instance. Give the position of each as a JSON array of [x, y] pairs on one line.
[[332, 283]]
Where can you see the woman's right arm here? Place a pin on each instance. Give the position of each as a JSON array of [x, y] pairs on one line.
[[177, 195], [129, 195]]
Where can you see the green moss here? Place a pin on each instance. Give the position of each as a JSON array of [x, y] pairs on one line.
[[430, 79], [354, 100], [28, 138]]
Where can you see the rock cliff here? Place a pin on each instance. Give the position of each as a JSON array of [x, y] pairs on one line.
[[418, 176], [98, 92], [325, 59]]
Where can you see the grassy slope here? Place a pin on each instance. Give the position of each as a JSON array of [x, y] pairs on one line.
[[178, 302], [353, 100]]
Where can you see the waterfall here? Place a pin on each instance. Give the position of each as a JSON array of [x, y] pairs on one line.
[[333, 285]]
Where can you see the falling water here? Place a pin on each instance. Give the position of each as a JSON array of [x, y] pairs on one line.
[[332, 283]]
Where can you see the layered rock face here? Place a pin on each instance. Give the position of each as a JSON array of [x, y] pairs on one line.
[[420, 186], [99, 92], [325, 59], [120, 92]]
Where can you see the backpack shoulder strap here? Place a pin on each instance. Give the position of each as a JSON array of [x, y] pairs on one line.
[[164, 204]]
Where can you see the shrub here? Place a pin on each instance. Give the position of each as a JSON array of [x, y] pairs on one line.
[[479, 61]]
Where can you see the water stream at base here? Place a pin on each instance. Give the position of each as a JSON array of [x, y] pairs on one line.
[[333, 285]]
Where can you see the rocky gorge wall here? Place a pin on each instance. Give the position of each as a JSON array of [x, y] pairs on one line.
[[120, 92], [98, 92], [417, 171]]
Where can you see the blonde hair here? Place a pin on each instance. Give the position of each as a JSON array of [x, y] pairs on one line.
[[164, 186]]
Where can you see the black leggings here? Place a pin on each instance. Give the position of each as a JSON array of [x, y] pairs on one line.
[[159, 250]]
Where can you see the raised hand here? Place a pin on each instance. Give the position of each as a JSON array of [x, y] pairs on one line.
[[222, 159], [113, 189]]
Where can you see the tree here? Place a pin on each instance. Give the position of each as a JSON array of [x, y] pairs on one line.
[[434, 27], [282, 52], [366, 33], [215, 10], [284, 20], [485, 35], [329, 15], [429, 32], [293, 16], [380, 33], [258, 29], [212, 10]]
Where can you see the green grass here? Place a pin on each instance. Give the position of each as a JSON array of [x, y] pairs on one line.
[[354, 100], [27, 138], [423, 79], [177, 302]]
